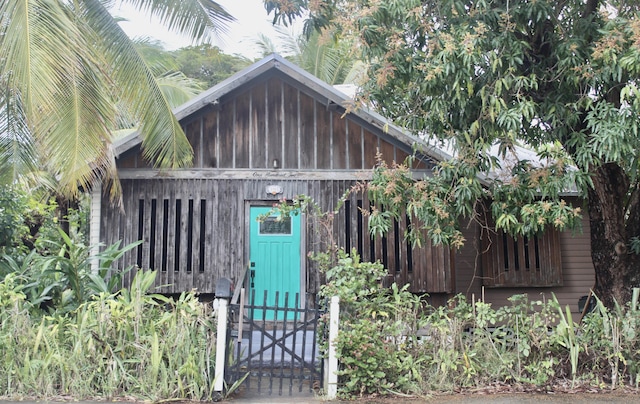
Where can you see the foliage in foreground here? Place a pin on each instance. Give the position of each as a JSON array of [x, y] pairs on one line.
[[480, 79], [392, 342], [131, 343]]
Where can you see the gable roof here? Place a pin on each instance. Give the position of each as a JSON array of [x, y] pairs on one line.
[[276, 63]]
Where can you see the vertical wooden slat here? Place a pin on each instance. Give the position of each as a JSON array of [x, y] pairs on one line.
[[242, 139], [195, 248], [522, 272], [147, 225], [290, 127], [211, 265], [323, 137], [224, 240], [274, 124], [429, 275], [330, 129], [399, 265], [347, 150], [547, 273], [236, 262], [377, 241], [354, 220], [225, 135], [530, 251], [498, 256], [156, 244], [171, 226], [391, 252], [181, 281], [311, 242], [407, 262], [210, 140], [387, 151], [363, 229], [354, 142], [258, 130], [487, 259], [401, 156], [340, 144], [192, 132], [163, 234], [370, 145], [339, 218], [421, 264], [128, 236], [307, 129], [544, 253], [298, 130]]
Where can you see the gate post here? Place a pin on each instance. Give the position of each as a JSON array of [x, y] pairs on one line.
[[223, 294], [331, 381]]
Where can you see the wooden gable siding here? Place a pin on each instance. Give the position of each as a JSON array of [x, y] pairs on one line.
[[578, 275], [194, 231], [274, 120]]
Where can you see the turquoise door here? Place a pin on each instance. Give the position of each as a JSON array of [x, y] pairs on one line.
[[274, 251]]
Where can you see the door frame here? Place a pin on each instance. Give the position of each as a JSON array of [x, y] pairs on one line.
[[248, 204]]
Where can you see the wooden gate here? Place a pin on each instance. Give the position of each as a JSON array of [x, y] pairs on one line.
[[274, 355]]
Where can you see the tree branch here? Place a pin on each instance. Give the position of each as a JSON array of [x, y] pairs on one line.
[[633, 212], [590, 8]]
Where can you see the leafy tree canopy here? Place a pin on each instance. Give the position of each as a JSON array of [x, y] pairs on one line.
[[558, 77], [207, 63]]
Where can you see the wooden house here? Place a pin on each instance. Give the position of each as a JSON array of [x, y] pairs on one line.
[[273, 132]]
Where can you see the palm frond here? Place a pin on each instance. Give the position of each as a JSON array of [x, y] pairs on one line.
[[197, 19], [65, 66], [357, 74], [17, 155], [78, 129], [178, 88], [163, 140], [155, 56], [266, 45], [49, 73], [291, 45]]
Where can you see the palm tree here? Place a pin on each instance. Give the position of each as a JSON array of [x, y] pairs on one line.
[[333, 61], [65, 65]]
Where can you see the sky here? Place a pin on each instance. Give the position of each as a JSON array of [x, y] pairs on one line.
[[251, 20]]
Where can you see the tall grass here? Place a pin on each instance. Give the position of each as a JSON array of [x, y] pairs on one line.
[[470, 345], [130, 343]]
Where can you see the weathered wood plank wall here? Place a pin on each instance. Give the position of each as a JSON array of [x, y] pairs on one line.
[[194, 232], [275, 121], [271, 131]]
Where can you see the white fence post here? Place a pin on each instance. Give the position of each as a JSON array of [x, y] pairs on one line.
[[223, 294], [221, 344], [331, 385]]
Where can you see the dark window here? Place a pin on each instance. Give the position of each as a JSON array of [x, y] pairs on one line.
[[203, 228], [275, 225]]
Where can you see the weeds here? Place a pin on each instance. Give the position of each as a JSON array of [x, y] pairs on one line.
[[391, 343], [125, 344]]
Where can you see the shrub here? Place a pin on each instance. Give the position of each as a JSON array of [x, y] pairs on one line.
[[372, 345], [130, 343]]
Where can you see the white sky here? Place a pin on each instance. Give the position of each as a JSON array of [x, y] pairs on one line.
[[251, 20]]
